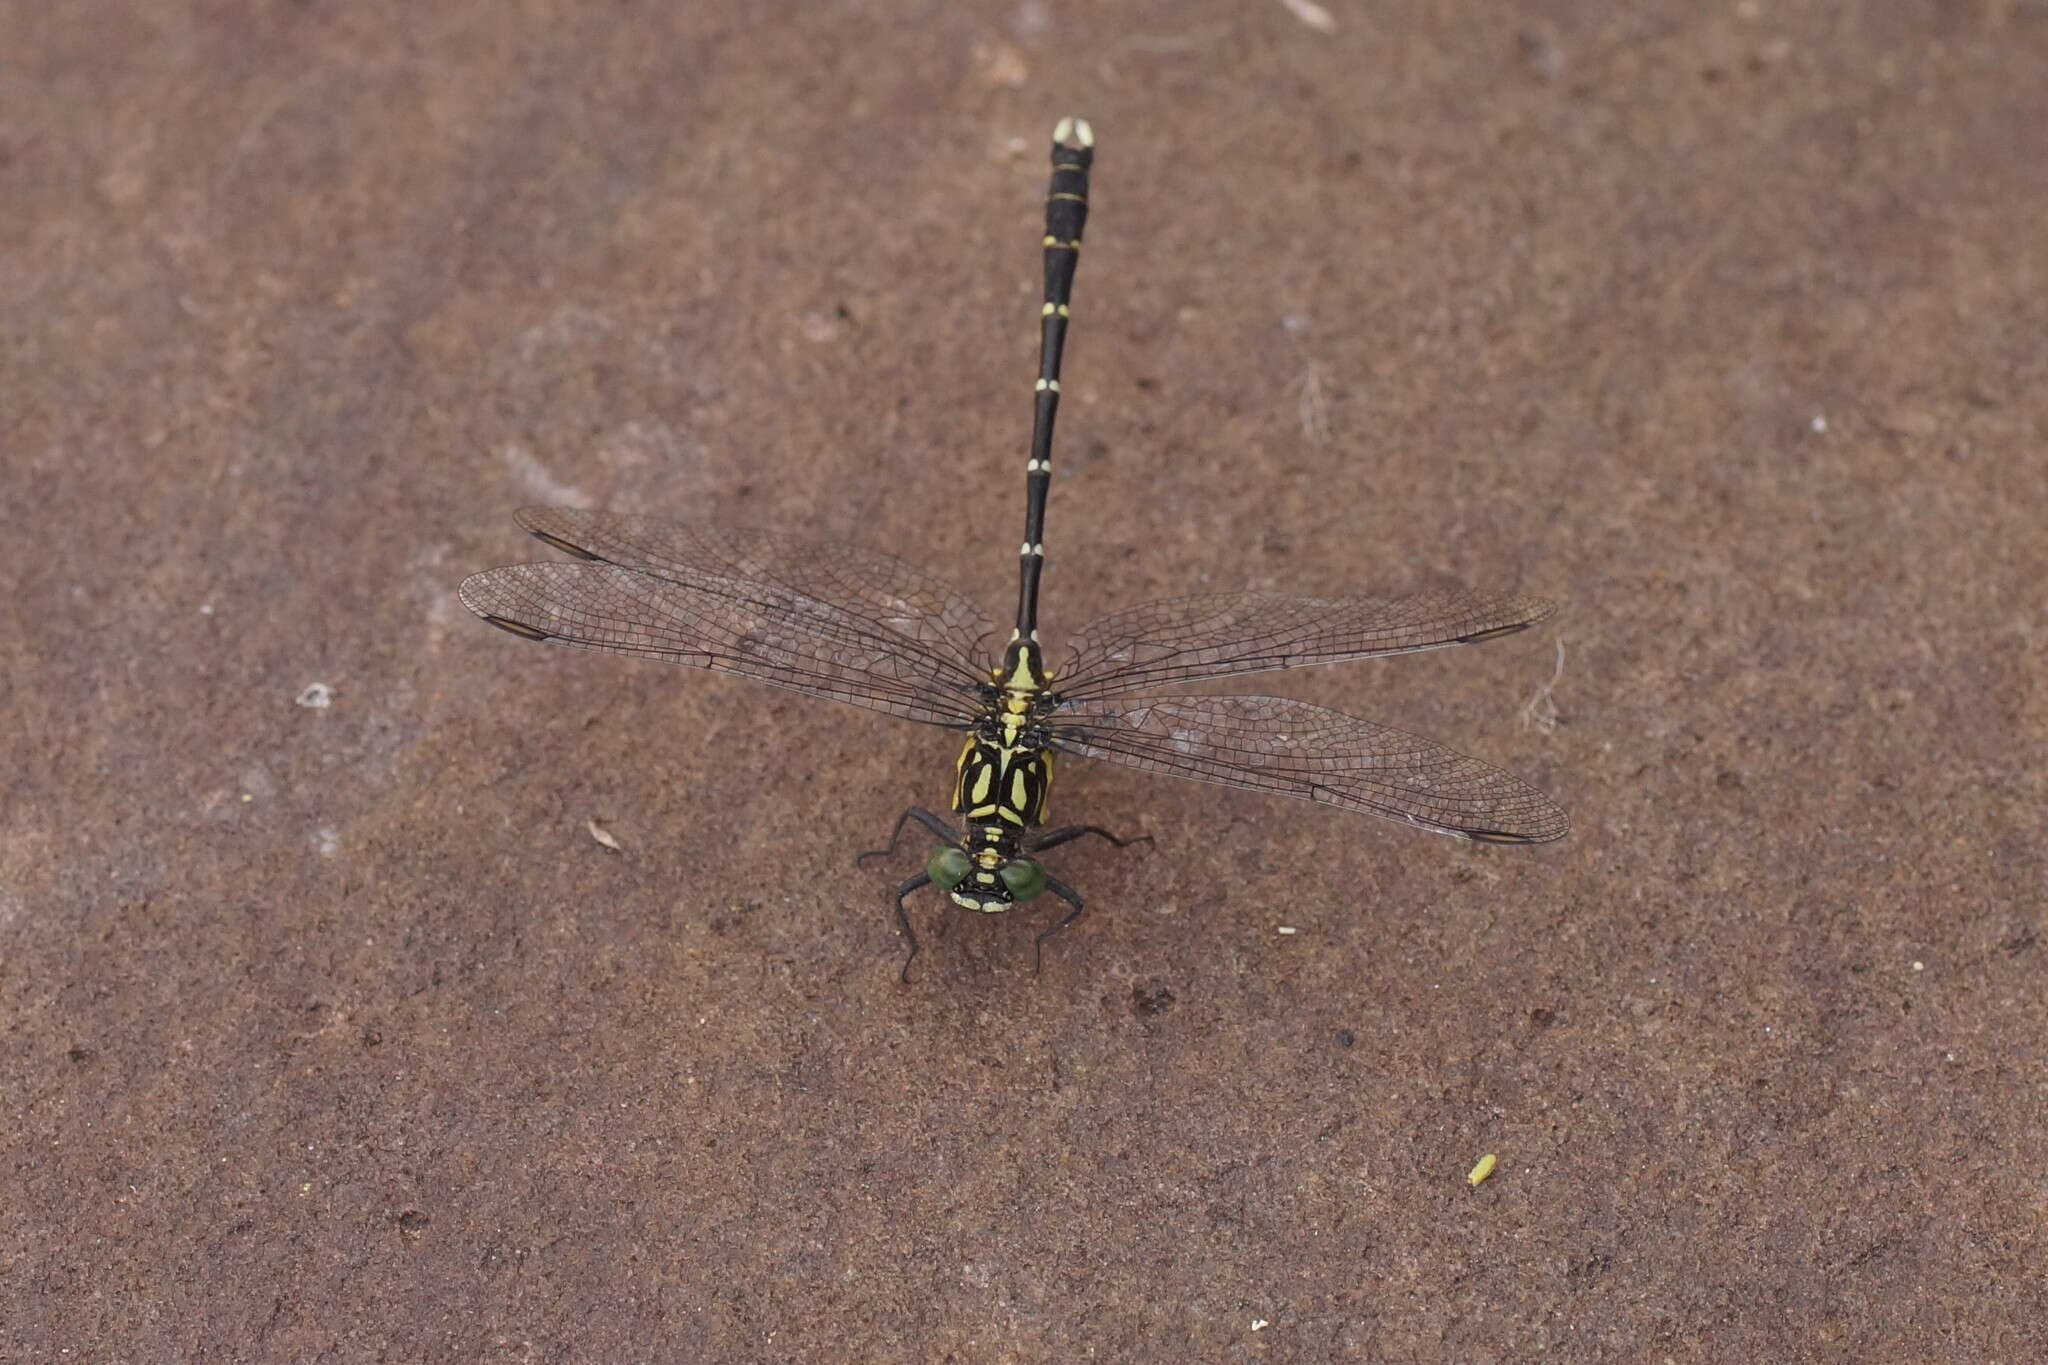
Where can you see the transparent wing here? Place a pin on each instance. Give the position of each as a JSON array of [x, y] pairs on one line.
[[891, 595], [800, 616], [1275, 744], [1227, 635]]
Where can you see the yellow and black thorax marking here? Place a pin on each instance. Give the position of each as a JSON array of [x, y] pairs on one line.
[[1004, 773]]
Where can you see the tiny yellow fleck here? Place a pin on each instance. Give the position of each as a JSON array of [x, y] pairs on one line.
[[1482, 1170]]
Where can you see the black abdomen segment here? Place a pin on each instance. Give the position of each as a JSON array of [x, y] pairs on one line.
[[1066, 214]]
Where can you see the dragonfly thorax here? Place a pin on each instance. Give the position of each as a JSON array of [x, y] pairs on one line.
[[1000, 786], [1004, 772]]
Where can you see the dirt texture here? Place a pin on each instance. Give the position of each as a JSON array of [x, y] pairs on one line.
[[333, 1027]]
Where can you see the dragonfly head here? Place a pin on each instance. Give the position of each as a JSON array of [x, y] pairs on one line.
[[984, 884]]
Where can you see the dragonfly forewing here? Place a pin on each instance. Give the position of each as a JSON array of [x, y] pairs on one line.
[[1228, 635], [754, 629], [865, 584]]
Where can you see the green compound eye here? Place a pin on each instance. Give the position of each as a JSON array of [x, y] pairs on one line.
[[948, 867], [1024, 877]]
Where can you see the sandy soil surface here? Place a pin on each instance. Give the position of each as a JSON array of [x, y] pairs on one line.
[[333, 1032]]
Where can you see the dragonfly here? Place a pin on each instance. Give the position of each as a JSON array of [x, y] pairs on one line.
[[865, 628]]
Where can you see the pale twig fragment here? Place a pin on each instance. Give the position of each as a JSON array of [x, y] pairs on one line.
[[1312, 14]]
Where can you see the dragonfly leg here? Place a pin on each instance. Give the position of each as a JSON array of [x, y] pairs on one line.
[[903, 921], [923, 817], [1065, 893], [1066, 834]]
